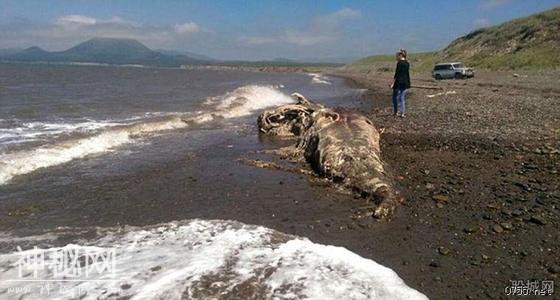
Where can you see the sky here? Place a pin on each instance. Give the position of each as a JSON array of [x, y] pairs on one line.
[[258, 29]]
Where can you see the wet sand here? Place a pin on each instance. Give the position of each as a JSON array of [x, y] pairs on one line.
[[459, 180]]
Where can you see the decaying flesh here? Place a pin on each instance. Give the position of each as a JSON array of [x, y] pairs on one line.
[[290, 119], [340, 145]]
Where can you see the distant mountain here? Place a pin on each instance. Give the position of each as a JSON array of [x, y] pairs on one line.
[[332, 60], [186, 53], [10, 51], [314, 60], [283, 59], [109, 50], [105, 50], [32, 53]]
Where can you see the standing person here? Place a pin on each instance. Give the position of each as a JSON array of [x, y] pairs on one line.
[[400, 84]]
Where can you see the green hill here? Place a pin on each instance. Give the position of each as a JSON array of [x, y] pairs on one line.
[[526, 43]]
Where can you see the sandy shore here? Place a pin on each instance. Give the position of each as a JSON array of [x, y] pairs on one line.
[[478, 169]]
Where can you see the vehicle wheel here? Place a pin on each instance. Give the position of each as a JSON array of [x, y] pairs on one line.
[[438, 77], [458, 76]]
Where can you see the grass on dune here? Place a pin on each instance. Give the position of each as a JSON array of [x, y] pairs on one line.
[[529, 43]]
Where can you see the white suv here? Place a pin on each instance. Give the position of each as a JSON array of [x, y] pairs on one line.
[[455, 70]]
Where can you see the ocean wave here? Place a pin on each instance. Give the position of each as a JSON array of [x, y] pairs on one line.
[[26, 161], [202, 259], [246, 100], [320, 79], [32, 131], [237, 103]]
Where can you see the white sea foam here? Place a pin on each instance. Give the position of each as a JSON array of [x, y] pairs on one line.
[[248, 99], [320, 79], [23, 162], [240, 102], [31, 131], [8, 238], [201, 259], [21, 132]]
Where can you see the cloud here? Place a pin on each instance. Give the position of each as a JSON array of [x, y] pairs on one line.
[[187, 28], [340, 15], [491, 4], [73, 20], [79, 20], [341, 33], [481, 22], [290, 37], [320, 30], [68, 30]]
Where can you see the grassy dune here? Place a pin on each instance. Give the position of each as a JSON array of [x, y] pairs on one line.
[[529, 43]]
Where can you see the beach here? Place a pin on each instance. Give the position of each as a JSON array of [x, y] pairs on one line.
[[477, 161], [477, 169], [73, 181]]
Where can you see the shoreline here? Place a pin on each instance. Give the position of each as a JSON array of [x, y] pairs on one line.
[[444, 246], [475, 191]]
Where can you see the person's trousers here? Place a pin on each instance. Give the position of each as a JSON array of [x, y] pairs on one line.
[[399, 100]]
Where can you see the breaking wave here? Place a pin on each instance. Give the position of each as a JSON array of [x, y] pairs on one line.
[[247, 99], [320, 79], [237, 103], [200, 259], [31, 131]]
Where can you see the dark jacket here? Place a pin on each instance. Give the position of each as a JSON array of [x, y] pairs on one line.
[[402, 76]]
